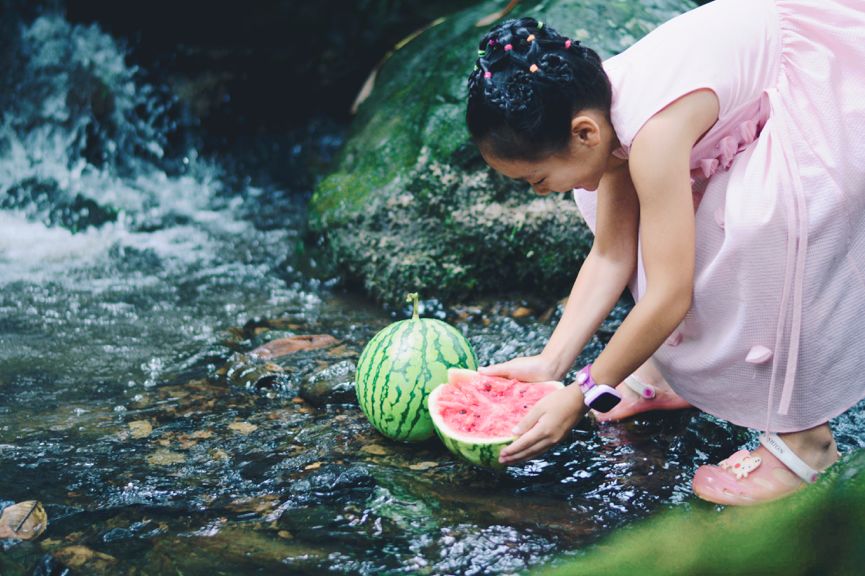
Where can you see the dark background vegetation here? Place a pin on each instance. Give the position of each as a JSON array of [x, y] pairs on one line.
[[252, 68]]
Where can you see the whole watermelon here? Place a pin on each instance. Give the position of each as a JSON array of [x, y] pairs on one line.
[[399, 368]]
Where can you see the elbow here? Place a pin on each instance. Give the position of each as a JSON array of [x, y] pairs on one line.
[[674, 301], [682, 300]]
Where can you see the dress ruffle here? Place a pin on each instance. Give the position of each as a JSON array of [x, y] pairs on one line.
[[725, 150]]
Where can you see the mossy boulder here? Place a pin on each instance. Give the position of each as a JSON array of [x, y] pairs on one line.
[[815, 531], [411, 204]]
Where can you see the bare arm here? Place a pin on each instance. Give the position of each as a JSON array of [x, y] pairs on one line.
[[659, 166], [603, 276]]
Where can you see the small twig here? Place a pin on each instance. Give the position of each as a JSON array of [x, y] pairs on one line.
[[32, 508]]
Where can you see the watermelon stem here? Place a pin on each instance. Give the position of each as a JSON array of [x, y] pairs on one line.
[[413, 298]]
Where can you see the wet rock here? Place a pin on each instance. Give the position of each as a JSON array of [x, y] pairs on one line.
[[252, 374], [333, 385], [411, 204], [48, 565], [81, 556], [45, 201], [117, 535], [239, 550], [332, 482]]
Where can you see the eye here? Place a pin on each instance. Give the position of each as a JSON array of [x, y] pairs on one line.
[[539, 181]]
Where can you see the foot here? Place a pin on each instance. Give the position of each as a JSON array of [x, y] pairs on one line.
[[642, 391], [783, 464]]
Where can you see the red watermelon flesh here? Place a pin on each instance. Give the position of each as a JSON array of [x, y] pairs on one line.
[[479, 406]]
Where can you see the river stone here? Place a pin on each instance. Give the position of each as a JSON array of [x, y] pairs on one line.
[[411, 206], [332, 385]]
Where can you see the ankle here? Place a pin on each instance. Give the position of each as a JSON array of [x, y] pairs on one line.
[[815, 446]]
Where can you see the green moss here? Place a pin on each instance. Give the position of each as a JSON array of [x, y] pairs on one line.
[[411, 205], [816, 531]]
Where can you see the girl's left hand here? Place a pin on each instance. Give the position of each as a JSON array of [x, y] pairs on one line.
[[545, 425]]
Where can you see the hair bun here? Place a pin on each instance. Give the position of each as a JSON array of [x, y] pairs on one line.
[[528, 82]]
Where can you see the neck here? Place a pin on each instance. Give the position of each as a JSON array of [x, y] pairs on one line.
[[614, 163]]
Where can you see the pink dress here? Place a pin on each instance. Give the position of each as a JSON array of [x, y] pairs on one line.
[[775, 338]]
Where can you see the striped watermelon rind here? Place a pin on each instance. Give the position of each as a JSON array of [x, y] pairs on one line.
[[479, 451], [400, 367]]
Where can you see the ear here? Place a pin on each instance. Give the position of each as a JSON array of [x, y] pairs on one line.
[[585, 131]]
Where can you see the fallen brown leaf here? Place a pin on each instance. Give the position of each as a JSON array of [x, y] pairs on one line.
[[140, 429], [219, 454], [522, 312], [24, 521], [376, 449], [292, 344], [165, 458], [243, 427], [78, 556]]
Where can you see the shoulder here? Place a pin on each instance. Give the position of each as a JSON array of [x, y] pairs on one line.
[[677, 127]]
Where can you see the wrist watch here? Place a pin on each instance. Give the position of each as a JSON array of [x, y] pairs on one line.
[[598, 397]]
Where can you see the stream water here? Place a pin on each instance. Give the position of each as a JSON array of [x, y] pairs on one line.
[[135, 275]]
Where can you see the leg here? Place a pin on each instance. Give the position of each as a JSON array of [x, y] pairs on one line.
[[633, 404], [768, 477]]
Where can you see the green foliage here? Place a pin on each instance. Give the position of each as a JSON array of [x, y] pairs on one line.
[[816, 531]]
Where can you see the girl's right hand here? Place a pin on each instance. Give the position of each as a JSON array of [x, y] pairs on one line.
[[536, 368]]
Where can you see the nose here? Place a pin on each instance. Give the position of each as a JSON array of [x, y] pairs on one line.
[[541, 190]]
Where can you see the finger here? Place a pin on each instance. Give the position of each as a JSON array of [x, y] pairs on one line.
[[529, 420], [530, 452], [496, 369], [528, 439]]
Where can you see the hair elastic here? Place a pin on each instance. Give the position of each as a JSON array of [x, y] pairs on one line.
[[540, 24], [508, 47], [482, 52]]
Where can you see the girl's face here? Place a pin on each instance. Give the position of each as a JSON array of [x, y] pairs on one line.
[[580, 165]]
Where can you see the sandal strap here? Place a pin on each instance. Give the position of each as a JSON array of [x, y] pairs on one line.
[[780, 450], [645, 391]]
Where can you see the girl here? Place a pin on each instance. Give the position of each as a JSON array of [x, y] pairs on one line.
[[720, 162]]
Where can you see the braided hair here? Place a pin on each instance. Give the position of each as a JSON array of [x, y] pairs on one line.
[[528, 82]]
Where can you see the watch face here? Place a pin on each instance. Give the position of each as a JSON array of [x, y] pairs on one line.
[[605, 402]]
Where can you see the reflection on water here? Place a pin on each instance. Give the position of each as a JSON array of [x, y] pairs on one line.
[[133, 279]]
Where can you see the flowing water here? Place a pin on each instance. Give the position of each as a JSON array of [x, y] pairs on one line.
[[135, 276]]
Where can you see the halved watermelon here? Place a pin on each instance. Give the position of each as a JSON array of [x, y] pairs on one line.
[[474, 414]]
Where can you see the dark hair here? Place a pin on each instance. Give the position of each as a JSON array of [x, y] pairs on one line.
[[528, 83]]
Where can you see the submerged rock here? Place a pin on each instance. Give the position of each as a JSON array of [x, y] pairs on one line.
[[411, 204], [332, 385]]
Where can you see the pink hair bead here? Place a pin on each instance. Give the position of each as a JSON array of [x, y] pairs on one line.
[[531, 38], [491, 42], [567, 44], [508, 47], [533, 68], [488, 74]]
